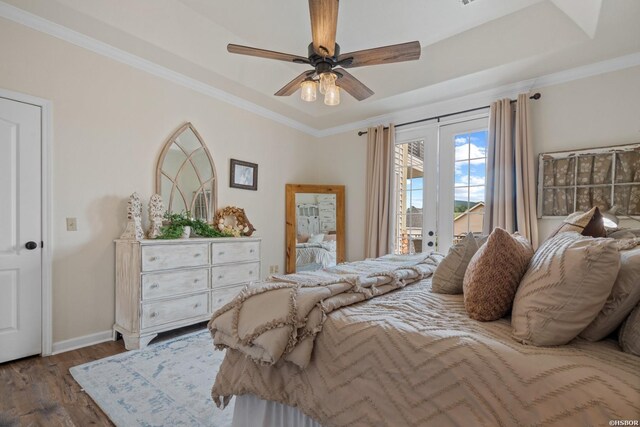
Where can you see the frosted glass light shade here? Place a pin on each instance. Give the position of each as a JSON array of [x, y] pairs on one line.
[[326, 81], [332, 97], [308, 90]]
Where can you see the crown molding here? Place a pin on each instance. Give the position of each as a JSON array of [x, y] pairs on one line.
[[38, 23], [478, 99]]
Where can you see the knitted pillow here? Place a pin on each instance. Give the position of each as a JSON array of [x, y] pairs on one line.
[[564, 289], [493, 275], [448, 277], [624, 296]]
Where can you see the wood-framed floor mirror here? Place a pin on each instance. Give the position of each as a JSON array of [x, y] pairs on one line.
[[315, 230]]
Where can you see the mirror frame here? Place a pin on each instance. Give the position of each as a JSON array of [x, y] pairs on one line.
[[213, 204], [290, 212]]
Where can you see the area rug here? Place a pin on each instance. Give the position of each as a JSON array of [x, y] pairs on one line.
[[165, 384]]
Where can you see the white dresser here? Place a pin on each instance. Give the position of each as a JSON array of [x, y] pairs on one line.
[[167, 284]]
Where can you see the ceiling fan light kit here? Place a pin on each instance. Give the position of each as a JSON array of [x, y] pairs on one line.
[[324, 56], [308, 90]]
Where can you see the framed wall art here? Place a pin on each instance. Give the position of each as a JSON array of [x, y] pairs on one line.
[[243, 175]]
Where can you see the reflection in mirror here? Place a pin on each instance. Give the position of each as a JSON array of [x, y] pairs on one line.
[[316, 243], [315, 226], [186, 175]]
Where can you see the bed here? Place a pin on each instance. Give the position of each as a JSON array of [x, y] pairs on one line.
[[312, 256], [413, 358]]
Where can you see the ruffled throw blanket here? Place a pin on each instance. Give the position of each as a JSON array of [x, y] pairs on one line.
[[278, 319]]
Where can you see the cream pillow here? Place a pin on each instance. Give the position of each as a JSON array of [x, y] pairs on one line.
[[316, 238], [493, 275], [624, 295], [629, 337], [448, 277], [564, 289]]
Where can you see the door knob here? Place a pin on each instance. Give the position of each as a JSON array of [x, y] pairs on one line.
[[31, 245], [430, 244]]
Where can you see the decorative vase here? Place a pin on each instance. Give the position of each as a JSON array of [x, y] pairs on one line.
[[186, 232]]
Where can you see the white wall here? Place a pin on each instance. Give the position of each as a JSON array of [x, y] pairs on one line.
[[109, 123], [593, 112], [598, 111]]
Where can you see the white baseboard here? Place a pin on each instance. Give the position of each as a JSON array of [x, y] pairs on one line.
[[79, 342]]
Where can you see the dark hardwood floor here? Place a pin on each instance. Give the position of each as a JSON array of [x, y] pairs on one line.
[[40, 391]]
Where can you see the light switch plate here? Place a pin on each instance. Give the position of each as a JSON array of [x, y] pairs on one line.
[[72, 224]]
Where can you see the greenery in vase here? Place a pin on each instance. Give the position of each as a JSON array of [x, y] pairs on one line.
[[175, 223]]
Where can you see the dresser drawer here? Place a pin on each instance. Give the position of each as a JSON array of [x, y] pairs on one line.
[[222, 253], [160, 312], [158, 285], [233, 274], [162, 257], [221, 296]]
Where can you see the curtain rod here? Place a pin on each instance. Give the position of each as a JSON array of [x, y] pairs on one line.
[[534, 96]]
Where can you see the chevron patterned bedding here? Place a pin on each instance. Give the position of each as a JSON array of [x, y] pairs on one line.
[[415, 358]]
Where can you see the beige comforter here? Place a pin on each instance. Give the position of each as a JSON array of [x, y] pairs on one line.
[[414, 358], [280, 318]]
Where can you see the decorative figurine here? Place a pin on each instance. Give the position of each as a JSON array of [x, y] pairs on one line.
[[134, 219], [156, 213]]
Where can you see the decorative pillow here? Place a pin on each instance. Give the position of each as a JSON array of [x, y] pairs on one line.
[[587, 223], [493, 275], [629, 337], [623, 298], [316, 238], [303, 238], [564, 289], [330, 237], [448, 277]]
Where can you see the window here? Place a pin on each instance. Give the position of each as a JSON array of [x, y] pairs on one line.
[[469, 184], [581, 179], [409, 191], [439, 179]]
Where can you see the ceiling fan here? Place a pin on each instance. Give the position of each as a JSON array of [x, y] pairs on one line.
[[324, 56]]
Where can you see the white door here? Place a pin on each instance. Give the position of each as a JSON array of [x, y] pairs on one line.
[[439, 173], [463, 159], [20, 230]]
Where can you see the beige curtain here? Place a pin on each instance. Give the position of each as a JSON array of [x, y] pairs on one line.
[[378, 191], [510, 194], [525, 175]]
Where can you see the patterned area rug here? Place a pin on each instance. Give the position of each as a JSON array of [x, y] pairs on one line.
[[166, 384]]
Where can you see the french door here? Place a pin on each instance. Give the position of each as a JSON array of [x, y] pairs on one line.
[[20, 230], [439, 178]]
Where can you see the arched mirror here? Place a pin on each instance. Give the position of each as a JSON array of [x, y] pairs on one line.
[[186, 175], [315, 226]]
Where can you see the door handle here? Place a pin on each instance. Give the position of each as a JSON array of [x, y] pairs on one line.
[[31, 245]]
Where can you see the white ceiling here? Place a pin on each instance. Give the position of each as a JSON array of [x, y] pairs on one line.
[[465, 49]]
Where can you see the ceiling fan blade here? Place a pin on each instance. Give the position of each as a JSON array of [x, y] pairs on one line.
[[382, 55], [294, 84], [269, 54], [324, 24], [353, 86]]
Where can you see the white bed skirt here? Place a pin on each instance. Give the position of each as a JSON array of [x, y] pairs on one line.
[[251, 411]]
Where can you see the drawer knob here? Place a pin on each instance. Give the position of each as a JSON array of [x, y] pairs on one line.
[[250, 271], [220, 276], [196, 255], [196, 305], [155, 286], [153, 314], [196, 280], [251, 251], [221, 253], [153, 258]]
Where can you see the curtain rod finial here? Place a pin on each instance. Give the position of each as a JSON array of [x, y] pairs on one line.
[[536, 96]]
